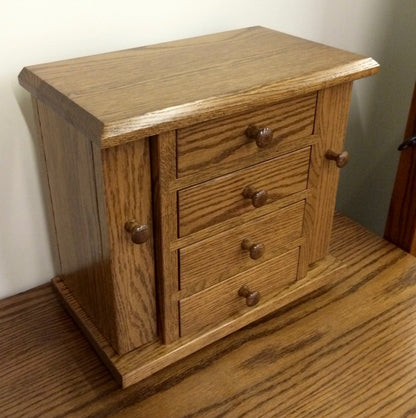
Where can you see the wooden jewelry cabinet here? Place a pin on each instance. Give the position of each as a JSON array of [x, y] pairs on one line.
[[192, 185]]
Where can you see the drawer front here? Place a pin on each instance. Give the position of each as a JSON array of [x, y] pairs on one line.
[[220, 199], [270, 236], [222, 302], [222, 146]]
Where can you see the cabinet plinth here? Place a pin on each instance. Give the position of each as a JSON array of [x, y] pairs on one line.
[[190, 185]]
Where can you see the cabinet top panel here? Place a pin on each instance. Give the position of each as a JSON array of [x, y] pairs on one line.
[[119, 96]]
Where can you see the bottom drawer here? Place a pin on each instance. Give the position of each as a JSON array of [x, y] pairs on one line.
[[222, 302]]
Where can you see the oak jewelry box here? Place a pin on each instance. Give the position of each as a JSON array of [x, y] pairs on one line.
[[192, 185]]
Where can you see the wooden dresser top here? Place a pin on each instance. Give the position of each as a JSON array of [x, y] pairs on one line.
[[346, 350], [116, 96]]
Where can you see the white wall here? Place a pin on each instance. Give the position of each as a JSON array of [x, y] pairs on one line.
[[45, 30], [387, 31]]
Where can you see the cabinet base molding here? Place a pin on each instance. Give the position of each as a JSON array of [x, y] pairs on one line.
[[140, 363]]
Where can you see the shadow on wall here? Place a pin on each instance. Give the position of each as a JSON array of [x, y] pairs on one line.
[[378, 118]]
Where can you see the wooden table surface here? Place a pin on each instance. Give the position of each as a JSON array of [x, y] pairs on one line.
[[347, 350]]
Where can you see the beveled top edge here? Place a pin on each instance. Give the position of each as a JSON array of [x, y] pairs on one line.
[[129, 94], [215, 107]]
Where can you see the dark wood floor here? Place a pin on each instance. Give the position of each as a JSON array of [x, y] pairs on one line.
[[347, 350]]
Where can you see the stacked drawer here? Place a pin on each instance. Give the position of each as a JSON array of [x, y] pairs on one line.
[[241, 214]]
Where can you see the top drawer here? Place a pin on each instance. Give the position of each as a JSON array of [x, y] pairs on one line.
[[222, 146]]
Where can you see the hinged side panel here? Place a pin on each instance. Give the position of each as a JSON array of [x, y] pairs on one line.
[[128, 201], [330, 125], [83, 260]]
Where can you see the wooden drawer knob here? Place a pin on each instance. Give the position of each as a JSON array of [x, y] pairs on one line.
[[256, 250], [252, 298], [341, 159], [258, 197], [139, 233], [263, 136]]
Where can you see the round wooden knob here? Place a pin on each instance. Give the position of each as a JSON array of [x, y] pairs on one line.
[[139, 233], [256, 250], [263, 136], [341, 159], [252, 298], [258, 197]]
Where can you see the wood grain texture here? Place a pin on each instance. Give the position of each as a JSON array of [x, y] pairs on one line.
[[224, 145], [84, 256], [48, 356], [45, 186], [278, 232], [163, 154], [266, 154], [331, 124], [105, 97], [118, 294], [401, 219], [128, 195], [220, 199], [314, 358], [222, 303], [109, 108], [138, 364], [239, 221], [315, 165]]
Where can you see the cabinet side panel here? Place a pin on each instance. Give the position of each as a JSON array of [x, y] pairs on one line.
[[331, 123], [128, 197], [84, 266], [46, 189]]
